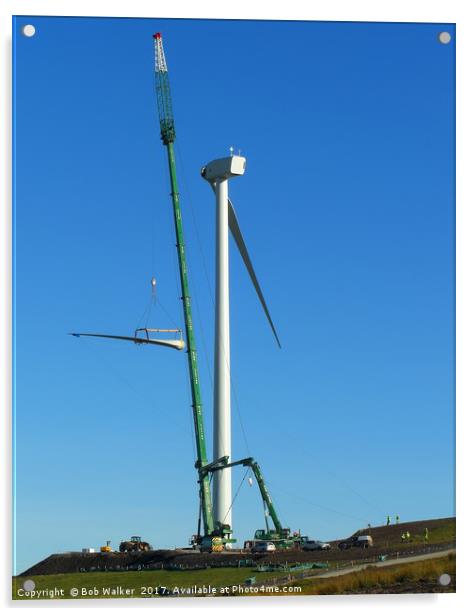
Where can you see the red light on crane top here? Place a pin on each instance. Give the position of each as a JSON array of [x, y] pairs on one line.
[[157, 35]]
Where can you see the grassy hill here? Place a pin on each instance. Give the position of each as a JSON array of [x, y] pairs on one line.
[[440, 531], [220, 570]]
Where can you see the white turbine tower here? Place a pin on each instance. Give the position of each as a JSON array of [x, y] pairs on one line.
[[217, 173]]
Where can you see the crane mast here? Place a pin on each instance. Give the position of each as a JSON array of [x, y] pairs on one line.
[[167, 131]]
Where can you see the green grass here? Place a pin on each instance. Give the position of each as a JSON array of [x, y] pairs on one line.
[[136, 581], [408, 577], [441, 534], [421, 576]]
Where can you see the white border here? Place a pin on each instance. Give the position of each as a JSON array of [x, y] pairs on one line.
[[454, 11]]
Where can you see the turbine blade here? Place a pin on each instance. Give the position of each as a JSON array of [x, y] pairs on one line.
[[238, 238], [174, 344]]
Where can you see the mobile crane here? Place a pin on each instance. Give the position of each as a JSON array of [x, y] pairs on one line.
[[215, 534], [282, 537]]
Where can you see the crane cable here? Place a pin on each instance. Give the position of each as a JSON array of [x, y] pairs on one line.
[[309, 502], [145, 315], [344, 483], [124, 380], [205, 268], [200, 322], [175, 268], [203, 261], [236, 495]]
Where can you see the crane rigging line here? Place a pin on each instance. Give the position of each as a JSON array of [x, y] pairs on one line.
[[200, 322], [203, 262], [145, 314], [153, 301], [124, 381], [309, 502], [236, 494], [195, 224], [340, 480], [169, 315], [205, 268], [190, 416], [175, 268], [171, 234], [349, 487]]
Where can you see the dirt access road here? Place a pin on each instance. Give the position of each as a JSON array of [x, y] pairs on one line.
[[384, 563]]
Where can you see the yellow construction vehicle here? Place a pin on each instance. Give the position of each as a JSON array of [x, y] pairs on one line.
[[106, 547]]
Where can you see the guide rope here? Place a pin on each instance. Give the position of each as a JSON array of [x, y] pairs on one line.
[[236, 494]]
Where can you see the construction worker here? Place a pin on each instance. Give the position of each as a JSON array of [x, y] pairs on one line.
[[408, 535], [397, 519], [403, 537], [388, 520], [426, 534]]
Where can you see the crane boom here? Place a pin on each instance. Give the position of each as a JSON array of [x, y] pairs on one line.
[[167, 131], [265, 495], [223, 462]]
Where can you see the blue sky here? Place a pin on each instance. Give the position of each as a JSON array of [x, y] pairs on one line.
[[347, 207]]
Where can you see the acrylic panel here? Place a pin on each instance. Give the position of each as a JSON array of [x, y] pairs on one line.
[[265, 394]]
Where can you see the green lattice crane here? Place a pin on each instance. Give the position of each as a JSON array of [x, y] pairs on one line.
[[167, 131]]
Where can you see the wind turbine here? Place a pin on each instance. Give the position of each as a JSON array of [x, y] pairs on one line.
[[217, 173]]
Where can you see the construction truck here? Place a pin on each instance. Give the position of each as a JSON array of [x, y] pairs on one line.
[[356, 541], [135, 545], [107, 547]]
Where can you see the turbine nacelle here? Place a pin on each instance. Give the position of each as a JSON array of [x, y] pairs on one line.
[[224, 168]]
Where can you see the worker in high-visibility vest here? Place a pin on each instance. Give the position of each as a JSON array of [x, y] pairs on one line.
[[408, 535], [403, 537], [426, 534]]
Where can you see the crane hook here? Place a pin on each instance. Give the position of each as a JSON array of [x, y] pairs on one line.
[[153, 282]]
